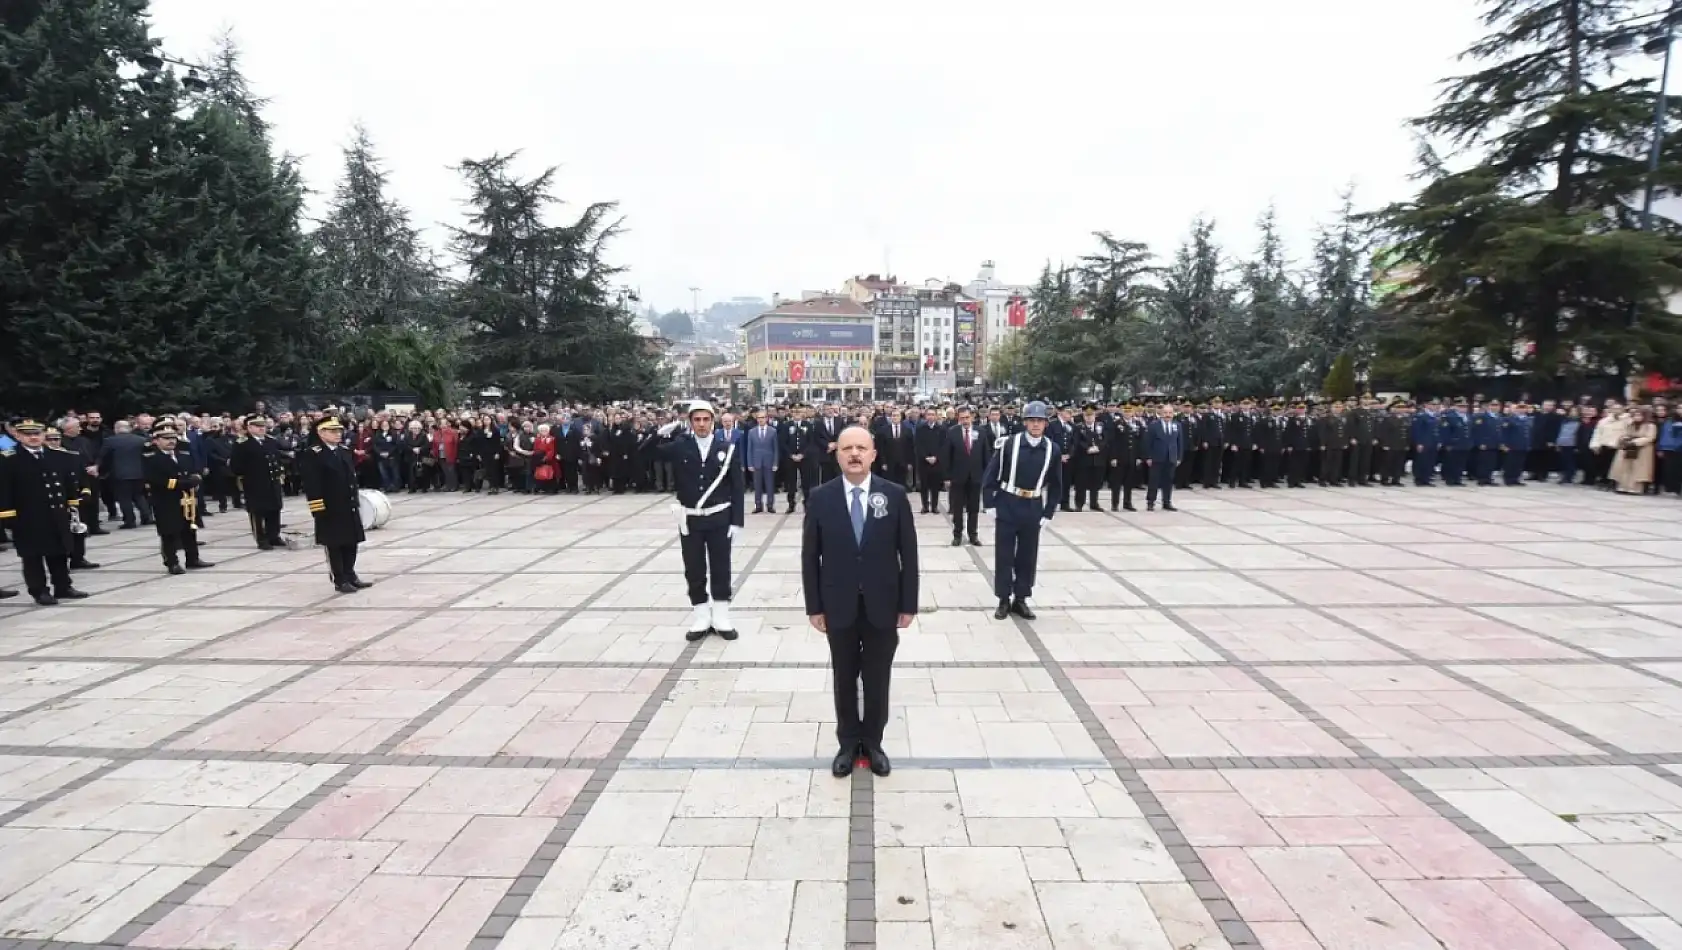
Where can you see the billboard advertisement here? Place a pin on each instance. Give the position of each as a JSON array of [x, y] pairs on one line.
[[964, 348], [812, 335], [896, 366]]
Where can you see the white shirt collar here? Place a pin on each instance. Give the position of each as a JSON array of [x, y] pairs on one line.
[[849, 487], [704, 443], [1033, 441]]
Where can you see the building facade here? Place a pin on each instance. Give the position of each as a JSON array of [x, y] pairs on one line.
[[818, 349], [1004, 310]]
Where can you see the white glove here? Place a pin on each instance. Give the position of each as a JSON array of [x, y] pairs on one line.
[[667, 429], [988, 512], [1045, 522], [732, 533]]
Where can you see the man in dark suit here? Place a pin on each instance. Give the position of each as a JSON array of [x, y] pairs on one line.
[[119, 461], [929, 442], [1165, 445], [896, 447], [967, 451], [859, 574]]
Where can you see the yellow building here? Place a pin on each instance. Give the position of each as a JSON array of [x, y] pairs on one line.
[[815, 350]]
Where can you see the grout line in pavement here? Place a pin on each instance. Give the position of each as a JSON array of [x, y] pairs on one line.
[[519, 893], [1209, 892], [1605, 922]]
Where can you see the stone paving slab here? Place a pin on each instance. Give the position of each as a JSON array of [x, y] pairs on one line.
[[1307, 720]]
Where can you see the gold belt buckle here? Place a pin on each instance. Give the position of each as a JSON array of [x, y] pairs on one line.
[[1022, 493]]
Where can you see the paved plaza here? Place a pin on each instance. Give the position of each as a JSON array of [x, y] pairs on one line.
[[1385, 719]]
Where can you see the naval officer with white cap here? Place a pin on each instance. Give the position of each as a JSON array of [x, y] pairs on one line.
[[710, 487], [1021, 489]]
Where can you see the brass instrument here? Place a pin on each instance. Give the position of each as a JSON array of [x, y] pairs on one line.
[[190, 508]]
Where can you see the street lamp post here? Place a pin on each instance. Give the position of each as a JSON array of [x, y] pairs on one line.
[[152, 62], [1658, 46]]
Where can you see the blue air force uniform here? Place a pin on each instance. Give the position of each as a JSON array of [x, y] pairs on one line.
[[1022, 487], [1456, 444], [1515, 445], [1424, 436], [1486, 445]]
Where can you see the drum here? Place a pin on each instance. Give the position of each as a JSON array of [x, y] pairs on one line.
[[375, 508]]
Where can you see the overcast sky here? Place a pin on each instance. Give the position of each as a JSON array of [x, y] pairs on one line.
[[759, 147]]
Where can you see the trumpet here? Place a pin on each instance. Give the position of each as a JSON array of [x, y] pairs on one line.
[[76, 525], [190, 508]]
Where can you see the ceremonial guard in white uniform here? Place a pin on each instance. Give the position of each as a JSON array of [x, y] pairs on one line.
[[1021, 490], [710, 486]]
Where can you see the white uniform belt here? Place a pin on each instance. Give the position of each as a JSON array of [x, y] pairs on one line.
[[703, 512], [1024, 493]]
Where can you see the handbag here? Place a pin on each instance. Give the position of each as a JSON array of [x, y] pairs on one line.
[[545, 473]]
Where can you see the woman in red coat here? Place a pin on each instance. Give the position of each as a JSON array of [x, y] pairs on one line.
[[445, 441], [544, 461]]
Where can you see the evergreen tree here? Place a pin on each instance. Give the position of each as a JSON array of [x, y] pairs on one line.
[[675, 325], [1528, 255], [1194, 309], [544, 321], [1261, 357], [1114, 292], [1338, 317], [1052, 363], [1340, 379]]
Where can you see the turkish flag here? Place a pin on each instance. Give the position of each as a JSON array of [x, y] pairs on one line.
[[1016, 312], [796, 371]]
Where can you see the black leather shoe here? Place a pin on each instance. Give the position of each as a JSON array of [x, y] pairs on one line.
[[843, 764], [345, 588], [46, 600], [879, 764], [974, 541], [83, 565], [1128, 508], [361, 584], [1169, 508], [176, 569], [70, 593], [1003, 611], [198, 565], [1021, 609], [7, 594], [96, 532], [694, 635], [957, 542]]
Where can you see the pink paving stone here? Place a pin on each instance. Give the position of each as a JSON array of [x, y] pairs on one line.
[[179, 928], [492, 847], [1438, 849], [1300, 737], [316, 635], [1216, 819], [393, 776], [455, 926], [278, 912], [1560, 923], [1305, 793], [557, 795], [559, 739], [1342, 907], [1245, 885], [460, 637], [1275, 935], [347, 814], [1185, 780], [238, 880], [1467, 915], [1340, 832], [1129, 738], [1386, 792], [1179, 730], [472, 791], [385, 912], [1382, 863]]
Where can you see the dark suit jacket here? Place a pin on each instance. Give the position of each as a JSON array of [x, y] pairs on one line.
[[1162, 450], [836, 571], [120, 457], [962, 468]]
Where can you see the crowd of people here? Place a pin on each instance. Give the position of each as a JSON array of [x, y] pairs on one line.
[[936, 452]]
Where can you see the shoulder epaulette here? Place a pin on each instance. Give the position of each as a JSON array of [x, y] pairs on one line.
[[242, 438], [315, 448], [60, 448], [148, 453]]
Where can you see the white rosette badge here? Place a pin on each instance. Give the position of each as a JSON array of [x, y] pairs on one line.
[[878, 505]]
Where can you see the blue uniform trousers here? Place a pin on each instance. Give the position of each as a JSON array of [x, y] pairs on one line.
[[1016, 546]]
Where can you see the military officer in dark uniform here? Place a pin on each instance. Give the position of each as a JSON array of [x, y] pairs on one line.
[[172, 482], [1126, 455], [805, 453], [711, 484], [260, 472], [328, 472], [1021, 489], [1089, 438], [40, 489], [1295, 439]]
